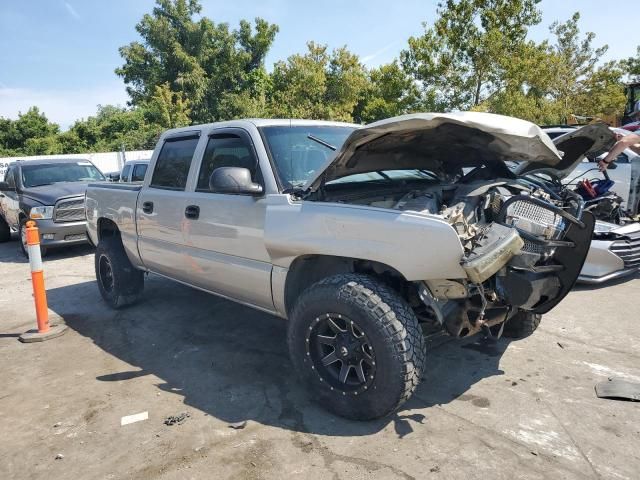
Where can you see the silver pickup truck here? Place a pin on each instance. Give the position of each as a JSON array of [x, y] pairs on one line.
[[362, 237]]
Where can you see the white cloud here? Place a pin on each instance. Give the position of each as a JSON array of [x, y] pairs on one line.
[[367, 59], [72, 11], [61, 106]]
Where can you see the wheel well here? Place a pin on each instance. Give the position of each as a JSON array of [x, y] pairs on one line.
[[309, 269], [107, 228]]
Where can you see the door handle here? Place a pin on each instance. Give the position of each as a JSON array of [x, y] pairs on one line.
[[147, 207], [192, 211]]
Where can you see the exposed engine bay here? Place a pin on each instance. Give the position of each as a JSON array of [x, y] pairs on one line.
[[517, 235]]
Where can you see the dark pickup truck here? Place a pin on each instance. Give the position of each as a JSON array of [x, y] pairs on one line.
[[51, 192]]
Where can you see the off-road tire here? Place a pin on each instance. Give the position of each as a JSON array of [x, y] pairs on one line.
[[389, 324], [522, 324], [23, 250], [127, 282], [5, 231]]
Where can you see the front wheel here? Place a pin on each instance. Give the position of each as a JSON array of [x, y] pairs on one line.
[[357, 345], [522, 324], [22, 236], [119, 282]]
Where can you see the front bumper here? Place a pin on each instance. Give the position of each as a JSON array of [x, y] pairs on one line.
[[613, 258], [58, 234]]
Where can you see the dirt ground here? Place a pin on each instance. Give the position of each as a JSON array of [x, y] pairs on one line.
[[522, 409]]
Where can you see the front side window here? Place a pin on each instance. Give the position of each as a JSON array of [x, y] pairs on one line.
[[36, 175], [139, 172], [297, 153], [226, 150], [172, 166]]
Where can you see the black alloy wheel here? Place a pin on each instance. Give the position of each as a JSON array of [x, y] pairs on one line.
[[341, 353]]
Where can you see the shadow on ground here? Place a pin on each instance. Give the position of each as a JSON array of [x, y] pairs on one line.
[[10, 252], [231, 361]]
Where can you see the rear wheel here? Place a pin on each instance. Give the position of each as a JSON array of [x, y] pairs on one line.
[[357, 345], [522, 324], [119, 282], [5, 231]]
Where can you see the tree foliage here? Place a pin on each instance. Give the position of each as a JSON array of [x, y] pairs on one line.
[[187, 69], [204, 61], [455, 58]]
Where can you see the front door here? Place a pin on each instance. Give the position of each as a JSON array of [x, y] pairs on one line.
[[226, 240]]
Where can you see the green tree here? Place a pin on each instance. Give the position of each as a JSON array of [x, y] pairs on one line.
[[204, 61], [27, 134], [391, 92], [167, 108], [576, 66], [456, 59], [318, 84], [111, 129], [632, 66]]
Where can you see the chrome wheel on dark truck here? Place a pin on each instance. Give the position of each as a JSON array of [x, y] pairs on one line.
[[22, 236], [357, 345], [120, 284]]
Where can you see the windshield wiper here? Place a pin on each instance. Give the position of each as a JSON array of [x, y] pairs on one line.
[[321, 142]]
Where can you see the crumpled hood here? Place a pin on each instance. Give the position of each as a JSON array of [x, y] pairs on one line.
[[440, 142], [590, 140], [49, 194]]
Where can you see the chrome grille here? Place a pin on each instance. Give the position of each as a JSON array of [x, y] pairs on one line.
[[536, 220], [69, 210], [628, 249]]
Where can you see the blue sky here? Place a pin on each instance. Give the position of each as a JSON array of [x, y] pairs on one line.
[[61, 54]]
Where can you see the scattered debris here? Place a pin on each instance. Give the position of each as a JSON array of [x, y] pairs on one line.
[[138, 417], [57, 424], [434, 469], [59, 456], [176, 419], [560, 345], [618, 389], [238, 425]]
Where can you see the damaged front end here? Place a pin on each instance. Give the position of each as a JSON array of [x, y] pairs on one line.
[[524, 249]]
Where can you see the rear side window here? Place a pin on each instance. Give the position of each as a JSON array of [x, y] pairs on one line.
[[125, 173], [226, 150], [174, 160], [138, 172]]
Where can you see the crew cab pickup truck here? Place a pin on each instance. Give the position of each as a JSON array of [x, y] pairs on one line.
[[51, 192], [360, 236]]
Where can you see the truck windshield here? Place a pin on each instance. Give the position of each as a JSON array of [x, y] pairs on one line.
[[46, 174], [299, 150]]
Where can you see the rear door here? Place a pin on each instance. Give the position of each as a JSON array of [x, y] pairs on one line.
[[226, 240], [160, 208]]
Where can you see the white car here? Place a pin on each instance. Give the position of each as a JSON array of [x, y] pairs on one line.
[[615, 249]]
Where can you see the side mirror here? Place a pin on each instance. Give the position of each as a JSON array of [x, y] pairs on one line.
[[4, 187], [235, 180]]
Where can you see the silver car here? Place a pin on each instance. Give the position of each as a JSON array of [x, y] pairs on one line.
[[614, 253]]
